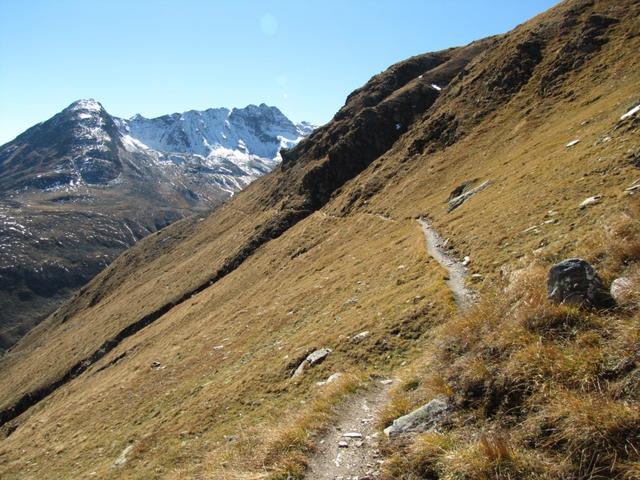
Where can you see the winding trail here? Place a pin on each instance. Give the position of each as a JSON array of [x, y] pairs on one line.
[[351, 457], [464, 297], [341, 456]]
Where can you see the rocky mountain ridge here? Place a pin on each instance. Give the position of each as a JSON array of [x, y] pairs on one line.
[[79, 188]]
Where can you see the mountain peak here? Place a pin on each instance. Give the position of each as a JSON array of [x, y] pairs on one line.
[[88, 104]]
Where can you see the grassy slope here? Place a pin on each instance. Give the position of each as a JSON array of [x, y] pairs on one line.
[[293, 293]]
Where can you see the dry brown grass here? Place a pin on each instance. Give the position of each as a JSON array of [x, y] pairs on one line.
[[286, 449], [555, 386], [500, 364]]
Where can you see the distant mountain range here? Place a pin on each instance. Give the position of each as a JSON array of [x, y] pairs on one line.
[[79, 188]]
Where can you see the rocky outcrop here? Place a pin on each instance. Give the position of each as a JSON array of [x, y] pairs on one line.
[[575, 282]]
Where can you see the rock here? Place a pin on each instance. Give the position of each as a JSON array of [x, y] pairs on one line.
[[575, 282], [572, 143], [590, 201], [352, 435], [343, 444], [386, 381], [312, 359], [424, 418], [331, 379], [466, 261], [633, 188], [122, 459], [630, 113], [620, 289], [156, 365], [360, 336], [464, 193]]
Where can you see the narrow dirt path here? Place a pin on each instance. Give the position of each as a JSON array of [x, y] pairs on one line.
[[457, 272], [349, 450]]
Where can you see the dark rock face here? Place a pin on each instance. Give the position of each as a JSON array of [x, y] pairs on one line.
[[575, 282], [586, 39]]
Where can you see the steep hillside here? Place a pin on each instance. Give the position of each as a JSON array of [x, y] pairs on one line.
[[78, 189], [178, 360]]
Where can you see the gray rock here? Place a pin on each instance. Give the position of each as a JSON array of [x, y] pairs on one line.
[[360, 336], [590, 201], [424, 418], [575, 282], [463, 192], [332, 378], [312, 359], [620, 289], [122, 459]]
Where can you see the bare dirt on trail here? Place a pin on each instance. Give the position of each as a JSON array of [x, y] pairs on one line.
[[456, 270], [349, 450]]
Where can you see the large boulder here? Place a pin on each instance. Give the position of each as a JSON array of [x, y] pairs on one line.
[[424, 418], [575, 282]]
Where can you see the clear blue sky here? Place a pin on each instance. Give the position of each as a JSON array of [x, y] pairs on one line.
[[155, 56]]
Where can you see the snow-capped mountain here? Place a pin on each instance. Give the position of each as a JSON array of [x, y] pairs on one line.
[[217, 149], [238, 145], [79, 188]]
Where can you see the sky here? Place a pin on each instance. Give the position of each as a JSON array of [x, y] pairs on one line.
[[156, 57]]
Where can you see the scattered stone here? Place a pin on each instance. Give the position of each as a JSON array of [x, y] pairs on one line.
[[312, 359], [122, 459], [360, 336], [620, 289], [590, 201], [466, 261], [343, 444], [352, 435], [575, 282], [462, 193], [386, 381], [633, 188], [424, 418], [331, 379], [351, 301], [572, 143], [218, 347], [156, 365], [630, 113]]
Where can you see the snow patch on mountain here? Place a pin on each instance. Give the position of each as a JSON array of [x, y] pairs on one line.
[[255, 130]]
